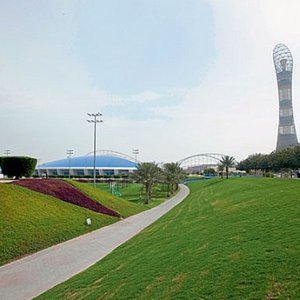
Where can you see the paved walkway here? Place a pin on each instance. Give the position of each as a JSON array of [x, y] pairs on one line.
[[5, 181], [32, 275]]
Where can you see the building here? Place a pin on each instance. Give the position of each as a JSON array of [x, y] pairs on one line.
[[283, 62], [108, 163]]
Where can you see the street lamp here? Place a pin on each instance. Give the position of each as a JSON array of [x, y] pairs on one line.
[[135, 152], [69, 153], [96, 118]]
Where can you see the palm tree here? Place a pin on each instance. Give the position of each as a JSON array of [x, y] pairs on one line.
[[227, 162], [173, 174], [148, 174]]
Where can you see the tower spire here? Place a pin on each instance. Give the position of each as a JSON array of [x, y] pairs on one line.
[[283, 62]]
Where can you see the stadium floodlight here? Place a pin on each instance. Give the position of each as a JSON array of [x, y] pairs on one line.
[[7, 152], [96, 118], [135, 152], [69, 153]]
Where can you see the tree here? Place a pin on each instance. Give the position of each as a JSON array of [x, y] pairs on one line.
[[209, 172], [287, 159], [148, 174], [227, 162], [173, 174], [256, 162], [18, 166]]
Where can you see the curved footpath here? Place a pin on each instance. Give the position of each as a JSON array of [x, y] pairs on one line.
[[32, 275]]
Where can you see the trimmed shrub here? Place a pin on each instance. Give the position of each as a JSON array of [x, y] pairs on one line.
[[18, 166]]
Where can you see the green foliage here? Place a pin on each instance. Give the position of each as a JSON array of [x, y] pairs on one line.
[[209, 171], [256, 162], [173, 175], [286, 159], [148, 174], [230, 239], [227, 162], [18, 166], [30, 221]]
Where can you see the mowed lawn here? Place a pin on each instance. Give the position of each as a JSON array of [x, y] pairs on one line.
[[124, 207], [230, 239], [135, 193], [31, 221]]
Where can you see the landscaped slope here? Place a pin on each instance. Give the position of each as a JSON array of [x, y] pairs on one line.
[[30, 221], [135, 193], [66, 192], [125, 208], [230, 239]]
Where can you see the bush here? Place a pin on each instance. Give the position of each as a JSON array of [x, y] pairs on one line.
[[18, 166]]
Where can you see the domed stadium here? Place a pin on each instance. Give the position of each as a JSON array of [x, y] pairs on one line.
[[107, 163]]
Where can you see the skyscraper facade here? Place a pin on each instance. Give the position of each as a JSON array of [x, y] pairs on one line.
[[283, 62]]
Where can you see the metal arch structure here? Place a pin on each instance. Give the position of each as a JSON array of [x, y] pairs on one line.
[[282, 57], [283, 63], [199, 162], [114, 154]]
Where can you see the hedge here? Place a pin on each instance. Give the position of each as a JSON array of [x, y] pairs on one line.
[[18, 166]]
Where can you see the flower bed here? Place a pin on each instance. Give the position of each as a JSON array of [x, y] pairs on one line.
[[66, 192]]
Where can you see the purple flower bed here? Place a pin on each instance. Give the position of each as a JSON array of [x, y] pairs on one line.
[[66, 192]]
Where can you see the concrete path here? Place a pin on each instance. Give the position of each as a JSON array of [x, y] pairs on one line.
[[32, 275]]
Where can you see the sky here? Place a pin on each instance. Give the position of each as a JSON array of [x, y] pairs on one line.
[[172, 78]]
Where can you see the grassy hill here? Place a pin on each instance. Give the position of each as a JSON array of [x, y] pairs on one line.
[[66, 192], [230, 239], [124, 207], [30, 221]]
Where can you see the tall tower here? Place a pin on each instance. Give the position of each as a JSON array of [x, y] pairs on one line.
[[283, 62]]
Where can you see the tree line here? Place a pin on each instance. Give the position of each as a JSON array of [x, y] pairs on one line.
[[286, 160]]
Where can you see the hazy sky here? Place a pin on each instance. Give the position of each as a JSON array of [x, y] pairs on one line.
[[172, 77]]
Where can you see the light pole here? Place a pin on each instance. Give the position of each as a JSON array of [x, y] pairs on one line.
[[96, 118], [69, 153], [135, 152], [7, 152]]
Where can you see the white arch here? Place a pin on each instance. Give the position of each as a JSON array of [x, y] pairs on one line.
[[114, 154], [213, 156]]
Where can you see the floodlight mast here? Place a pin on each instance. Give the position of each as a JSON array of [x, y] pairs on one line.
[[69, 153], [135, 152], [283, 63], [96, 118], [7, 152]]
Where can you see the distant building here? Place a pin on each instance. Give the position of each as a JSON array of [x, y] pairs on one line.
[[108, 163], [283, 62]]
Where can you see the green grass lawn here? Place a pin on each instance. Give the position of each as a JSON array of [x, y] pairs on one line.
[[102, 195], [230, 239], [30, 221], [134, 193]]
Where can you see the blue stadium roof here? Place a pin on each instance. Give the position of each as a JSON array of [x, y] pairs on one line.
[[102, 161]]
